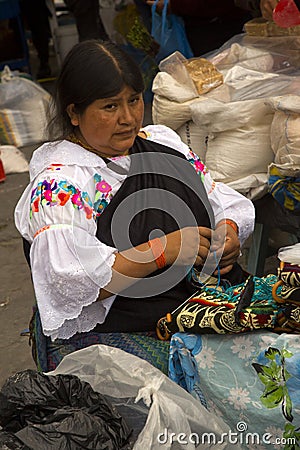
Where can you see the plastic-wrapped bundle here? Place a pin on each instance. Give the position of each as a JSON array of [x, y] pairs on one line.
[[23, 110]]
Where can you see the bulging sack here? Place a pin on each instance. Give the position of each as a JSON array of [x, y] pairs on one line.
[[23, 110], [176, 420]]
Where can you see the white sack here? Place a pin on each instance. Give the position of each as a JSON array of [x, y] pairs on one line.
[[171, 102], [13, 159], [195, 137], [285, 129], [253, 186], [238, 137]]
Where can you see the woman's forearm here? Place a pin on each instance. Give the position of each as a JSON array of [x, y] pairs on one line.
[[187, 246], [129, 266]]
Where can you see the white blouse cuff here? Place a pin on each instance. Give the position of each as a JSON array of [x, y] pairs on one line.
[[67, 285]]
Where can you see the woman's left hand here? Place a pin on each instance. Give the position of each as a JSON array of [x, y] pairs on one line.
[[226, 244]]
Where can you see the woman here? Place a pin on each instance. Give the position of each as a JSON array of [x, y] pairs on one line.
[[116, 215]]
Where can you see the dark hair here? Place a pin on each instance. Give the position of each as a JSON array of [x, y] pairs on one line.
[[91, 70]]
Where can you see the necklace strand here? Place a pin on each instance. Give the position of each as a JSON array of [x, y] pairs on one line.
[[73, 138]]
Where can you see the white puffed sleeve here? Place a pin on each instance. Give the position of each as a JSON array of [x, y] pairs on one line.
[[225, 201], [69, 264]]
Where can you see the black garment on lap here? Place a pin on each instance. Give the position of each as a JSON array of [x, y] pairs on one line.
[[147, 173]]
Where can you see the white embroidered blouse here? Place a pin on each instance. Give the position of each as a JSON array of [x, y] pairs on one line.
[[69, 188]]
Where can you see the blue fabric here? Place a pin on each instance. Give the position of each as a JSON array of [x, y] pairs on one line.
[[182, 364], [147, 66], [144, 345], [169, 31], [48, 354], [251, 381]]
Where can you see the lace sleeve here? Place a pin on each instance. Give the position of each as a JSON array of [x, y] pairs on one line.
[[69, 264]]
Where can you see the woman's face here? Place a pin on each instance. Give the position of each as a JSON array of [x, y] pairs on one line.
[[111, 125]]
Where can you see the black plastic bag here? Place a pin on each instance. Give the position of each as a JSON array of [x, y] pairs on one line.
[[8, 441], [60, 412], [136, 414]]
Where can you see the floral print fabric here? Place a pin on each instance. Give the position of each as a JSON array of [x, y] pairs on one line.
[[251, 381]]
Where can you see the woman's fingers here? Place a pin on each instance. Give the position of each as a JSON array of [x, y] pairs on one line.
[[267, 7], [188, 245], [223, 270], [159, 5]]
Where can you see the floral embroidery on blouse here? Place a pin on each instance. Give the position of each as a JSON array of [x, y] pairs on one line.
[[53, 167], [53, 193], [103, 194], [199, 166]]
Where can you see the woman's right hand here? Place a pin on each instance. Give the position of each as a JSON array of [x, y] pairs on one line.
[[159, 5], [267, 7], [187, 246]]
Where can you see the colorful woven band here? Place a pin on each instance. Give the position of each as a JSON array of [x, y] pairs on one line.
[[231, 223], [158, 252], [51, 227]]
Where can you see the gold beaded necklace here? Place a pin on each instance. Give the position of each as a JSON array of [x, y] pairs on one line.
[[73, 138]]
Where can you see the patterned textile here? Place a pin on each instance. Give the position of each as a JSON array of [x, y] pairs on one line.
[[244, 307], [289, 280], [48, 355], [285, 189], [250, 380]]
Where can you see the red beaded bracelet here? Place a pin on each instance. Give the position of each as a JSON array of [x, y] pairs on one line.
[[158, 252], [230, 223]]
